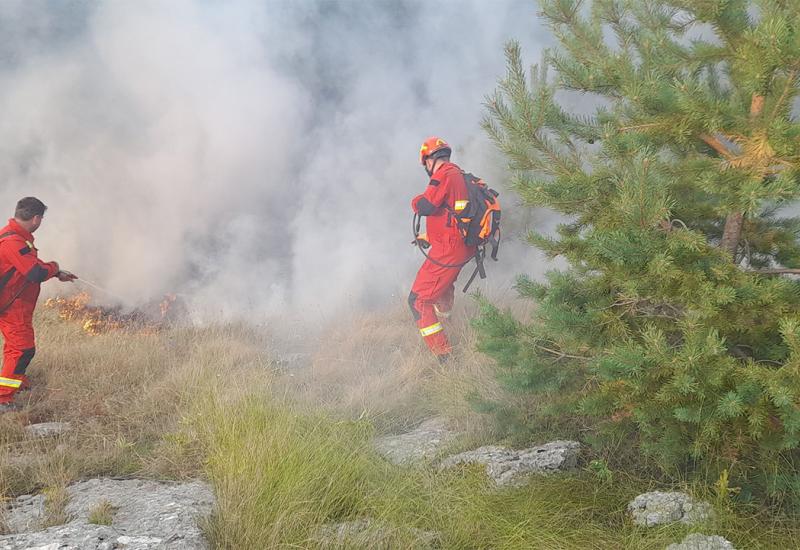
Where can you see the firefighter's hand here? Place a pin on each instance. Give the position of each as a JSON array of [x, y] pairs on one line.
[[421, 242], [66, 276]]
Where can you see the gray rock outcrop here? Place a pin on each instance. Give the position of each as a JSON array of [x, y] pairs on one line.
[[148, 515], [657, 508], [420, 444], [698, 541], [26, 514], [507, 467]]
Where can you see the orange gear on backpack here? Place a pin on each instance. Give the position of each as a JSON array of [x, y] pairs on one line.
[[432, 145]]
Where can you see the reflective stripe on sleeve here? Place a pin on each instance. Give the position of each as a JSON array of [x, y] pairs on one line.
[[461, 205], [10, 382], [432, 329]]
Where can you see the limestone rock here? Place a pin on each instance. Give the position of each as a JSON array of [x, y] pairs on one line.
[[698, 541], [47, 429], [149, 515], [656, 508], [422, 443], [26, 514], [509, 467]]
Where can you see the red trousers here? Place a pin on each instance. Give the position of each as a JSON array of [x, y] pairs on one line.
[[435, 286], [19, 347]]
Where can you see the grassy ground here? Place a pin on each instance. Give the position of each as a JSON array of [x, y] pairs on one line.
[[288, 450]]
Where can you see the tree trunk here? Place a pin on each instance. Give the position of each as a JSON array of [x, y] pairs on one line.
[[733, 223], [732, 233]]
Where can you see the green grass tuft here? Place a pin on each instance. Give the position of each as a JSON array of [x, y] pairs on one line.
[[102, 513], [281, 476]]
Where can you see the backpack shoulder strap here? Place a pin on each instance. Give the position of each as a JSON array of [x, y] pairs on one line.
[[7, 234]]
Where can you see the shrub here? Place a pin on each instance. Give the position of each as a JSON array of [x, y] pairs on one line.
[[672, 327]]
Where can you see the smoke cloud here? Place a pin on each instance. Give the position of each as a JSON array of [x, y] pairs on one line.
[[259, 157]]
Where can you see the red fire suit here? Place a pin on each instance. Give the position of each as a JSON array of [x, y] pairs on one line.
[[21, 274], [434, 284]]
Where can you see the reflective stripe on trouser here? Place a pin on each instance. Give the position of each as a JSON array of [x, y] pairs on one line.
[[10, 382], [12, 375], [432, 329]]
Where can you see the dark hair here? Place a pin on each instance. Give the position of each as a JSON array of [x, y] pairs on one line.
[[443, 153], [29, 207]]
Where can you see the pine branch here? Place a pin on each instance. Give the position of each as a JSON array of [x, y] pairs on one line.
[[647, 126], [717, 145], [560, 354]]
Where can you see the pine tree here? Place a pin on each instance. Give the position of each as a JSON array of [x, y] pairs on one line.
[[676, 322]]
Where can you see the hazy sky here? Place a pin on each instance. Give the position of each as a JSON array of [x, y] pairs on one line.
[[258, 156]]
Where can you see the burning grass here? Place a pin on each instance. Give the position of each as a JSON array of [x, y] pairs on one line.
[[97, 319]]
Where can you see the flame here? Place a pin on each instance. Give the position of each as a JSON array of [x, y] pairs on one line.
[[96, 319], [166, 304]]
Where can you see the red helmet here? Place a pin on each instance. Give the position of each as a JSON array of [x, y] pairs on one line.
[[431, 146]]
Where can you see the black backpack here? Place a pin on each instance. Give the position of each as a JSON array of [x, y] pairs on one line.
[[479, 221]]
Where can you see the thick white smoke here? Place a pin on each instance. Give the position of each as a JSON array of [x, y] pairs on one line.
[[258, 156]]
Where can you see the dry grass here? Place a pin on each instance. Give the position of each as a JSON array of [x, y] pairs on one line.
[[126, 396], [289, 450], [4, 527], [367, 366], [102, 513], [130, 397], [376, 366], [56, 499]]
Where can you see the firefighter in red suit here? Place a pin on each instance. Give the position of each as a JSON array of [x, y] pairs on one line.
[[432, 293], [21, 274]]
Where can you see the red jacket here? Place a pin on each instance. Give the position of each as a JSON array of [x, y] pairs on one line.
[[446, 187], [20, 267]]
